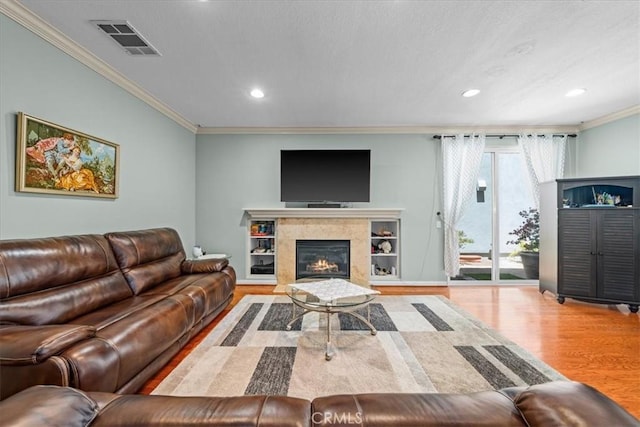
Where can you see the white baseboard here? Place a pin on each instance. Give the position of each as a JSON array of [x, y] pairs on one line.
[[463, 283], [403, 283], [256, 282]]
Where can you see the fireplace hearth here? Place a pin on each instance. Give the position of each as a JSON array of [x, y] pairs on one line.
[[322, 258]]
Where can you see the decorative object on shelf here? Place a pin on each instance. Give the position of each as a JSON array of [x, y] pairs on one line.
[[198, 252], [376, 270], [383, 232], [53, 159], [261, 229], [263, 268], [605, 198], [385, 246], [528, 241]]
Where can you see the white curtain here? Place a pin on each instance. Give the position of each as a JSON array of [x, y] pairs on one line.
[[544, 158], [461, 157]]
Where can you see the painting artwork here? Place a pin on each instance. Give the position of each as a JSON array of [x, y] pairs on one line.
[[56, 160]]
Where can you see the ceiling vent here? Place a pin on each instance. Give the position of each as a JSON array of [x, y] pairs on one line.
[[127, 37]]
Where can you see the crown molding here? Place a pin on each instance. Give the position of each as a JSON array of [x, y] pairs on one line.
[[424, 130], [17, 12], [610, 118]]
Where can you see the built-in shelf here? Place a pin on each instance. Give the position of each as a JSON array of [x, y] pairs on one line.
[[385, 265], [262, 237]]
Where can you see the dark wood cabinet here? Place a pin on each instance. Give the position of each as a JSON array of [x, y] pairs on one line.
[[598, 243]]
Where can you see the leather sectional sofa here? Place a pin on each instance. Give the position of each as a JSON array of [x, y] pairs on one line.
[[553, 404], [102, 312]]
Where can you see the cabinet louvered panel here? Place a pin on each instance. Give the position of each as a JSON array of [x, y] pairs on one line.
[[576, 272], [617, 256], [617, 277], [615, 233]]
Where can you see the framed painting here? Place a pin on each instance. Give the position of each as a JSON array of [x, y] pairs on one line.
[[53, 159]]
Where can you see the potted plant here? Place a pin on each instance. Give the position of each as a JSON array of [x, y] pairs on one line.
[[463, 239], [528, 241]]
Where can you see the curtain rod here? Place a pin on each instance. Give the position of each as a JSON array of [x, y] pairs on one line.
[[571, 135]]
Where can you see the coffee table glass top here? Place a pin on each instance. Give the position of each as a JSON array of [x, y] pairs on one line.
[[330, 293]]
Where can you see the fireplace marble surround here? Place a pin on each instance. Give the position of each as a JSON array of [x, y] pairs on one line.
[[351, 224]]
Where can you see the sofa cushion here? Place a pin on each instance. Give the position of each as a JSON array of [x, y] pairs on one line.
[[562, 403], [124, 348], [481, 409], [49, 406], [113, 313], [259, 411], [54, 280], [147, 257]]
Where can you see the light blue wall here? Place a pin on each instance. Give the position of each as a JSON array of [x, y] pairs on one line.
[[243, 171], [157, 167], [612, 149]]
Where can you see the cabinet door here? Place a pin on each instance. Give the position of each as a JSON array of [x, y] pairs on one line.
[[617, 255], [576, 253]]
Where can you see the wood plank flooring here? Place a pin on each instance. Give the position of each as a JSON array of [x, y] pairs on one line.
[[593, 343]]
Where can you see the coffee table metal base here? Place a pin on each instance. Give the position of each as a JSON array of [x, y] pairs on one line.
[[329, 310]]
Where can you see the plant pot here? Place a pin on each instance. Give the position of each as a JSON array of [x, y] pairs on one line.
[[531, 264]]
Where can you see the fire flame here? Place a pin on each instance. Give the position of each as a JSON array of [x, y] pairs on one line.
[[322, 266]]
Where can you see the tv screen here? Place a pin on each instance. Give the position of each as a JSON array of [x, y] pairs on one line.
[[325, 175]]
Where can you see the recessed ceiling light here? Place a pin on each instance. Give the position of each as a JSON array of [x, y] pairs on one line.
[[257, 93], [575, 92], [471, 92]]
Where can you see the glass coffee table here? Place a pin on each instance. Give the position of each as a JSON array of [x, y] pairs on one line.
[[330, 296]]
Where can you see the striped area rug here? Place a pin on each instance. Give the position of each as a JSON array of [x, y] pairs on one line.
[[424, 344]]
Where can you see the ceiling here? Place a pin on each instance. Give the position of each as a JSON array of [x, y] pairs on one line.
[[367, 64]]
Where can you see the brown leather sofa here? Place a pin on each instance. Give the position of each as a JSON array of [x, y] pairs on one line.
[[102, 312], [553, 404]]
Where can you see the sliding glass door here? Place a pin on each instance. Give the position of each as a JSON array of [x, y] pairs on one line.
[[502, 191]]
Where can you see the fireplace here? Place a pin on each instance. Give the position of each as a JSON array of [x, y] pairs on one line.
[[322, 258]]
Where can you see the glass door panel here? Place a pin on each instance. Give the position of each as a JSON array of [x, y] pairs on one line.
[[502, 192], [475, 228], [514, 196]]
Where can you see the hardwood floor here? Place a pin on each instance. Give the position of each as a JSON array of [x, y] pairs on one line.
[[591, 343]]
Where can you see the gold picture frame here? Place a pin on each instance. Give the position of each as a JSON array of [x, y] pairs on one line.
[[53, 159]]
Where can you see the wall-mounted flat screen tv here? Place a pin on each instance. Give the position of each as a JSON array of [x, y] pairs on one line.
[[325, 175]]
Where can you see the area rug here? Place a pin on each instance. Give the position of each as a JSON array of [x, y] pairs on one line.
[[423, 344]]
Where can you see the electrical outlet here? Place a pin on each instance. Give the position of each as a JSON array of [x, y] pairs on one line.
[[438, 224]]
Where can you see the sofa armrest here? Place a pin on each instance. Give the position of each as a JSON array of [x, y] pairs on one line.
[[570, 403], [212, 265], [49, 406], [30, 345]]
